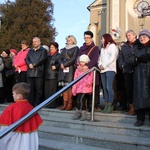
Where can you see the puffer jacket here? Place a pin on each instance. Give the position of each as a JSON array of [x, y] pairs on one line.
[[19, 60], [85, 85]]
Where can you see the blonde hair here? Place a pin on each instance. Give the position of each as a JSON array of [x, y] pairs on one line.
[[72, 37]]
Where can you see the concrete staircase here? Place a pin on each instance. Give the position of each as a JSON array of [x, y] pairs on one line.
[[108, 132]]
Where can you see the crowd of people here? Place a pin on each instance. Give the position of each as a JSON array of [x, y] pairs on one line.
[[46, 69]]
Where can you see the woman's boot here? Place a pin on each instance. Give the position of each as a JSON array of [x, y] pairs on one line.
[[69, 105], [77, 115], [83, 115], [110, 108], [105, 108], [131, 110], [65, 99]]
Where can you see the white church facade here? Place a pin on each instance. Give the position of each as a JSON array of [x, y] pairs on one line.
[[116, 17]]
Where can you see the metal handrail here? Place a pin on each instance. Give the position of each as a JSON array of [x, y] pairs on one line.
[[13, 126]]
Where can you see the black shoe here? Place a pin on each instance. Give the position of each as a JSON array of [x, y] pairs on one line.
[[139, 123]]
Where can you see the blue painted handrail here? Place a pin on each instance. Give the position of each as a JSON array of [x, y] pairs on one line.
[[49, 100]]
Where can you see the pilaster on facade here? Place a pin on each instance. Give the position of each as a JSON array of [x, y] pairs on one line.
[[102, 10]]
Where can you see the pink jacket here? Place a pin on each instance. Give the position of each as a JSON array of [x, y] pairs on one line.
[[19, 60], [84, 85]]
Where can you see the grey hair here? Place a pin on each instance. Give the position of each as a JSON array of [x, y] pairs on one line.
[[46, 47], [37, 38], [72, 37], [131, 31]]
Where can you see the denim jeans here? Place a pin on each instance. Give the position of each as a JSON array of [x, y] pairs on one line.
[[107, 83]]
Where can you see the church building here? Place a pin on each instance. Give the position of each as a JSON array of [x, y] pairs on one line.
[[117, 16]]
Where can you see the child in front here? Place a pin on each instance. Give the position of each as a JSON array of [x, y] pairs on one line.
[[83, 88], [25, 137]]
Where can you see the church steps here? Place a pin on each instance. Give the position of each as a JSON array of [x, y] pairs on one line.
[[113, 117], [46, 144], [105, 140], [98, 126], [110, 131]]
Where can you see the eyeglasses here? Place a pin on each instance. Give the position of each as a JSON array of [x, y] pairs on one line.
[[87, 37]]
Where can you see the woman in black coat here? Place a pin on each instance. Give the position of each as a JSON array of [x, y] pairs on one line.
[[127, 68], [141, 60], [66, 71], [51, 72], [8, 75]]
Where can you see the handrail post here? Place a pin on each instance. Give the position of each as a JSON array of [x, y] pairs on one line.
[[93, 96]]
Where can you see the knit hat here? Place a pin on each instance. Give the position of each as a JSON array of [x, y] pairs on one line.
[[144, 32], [7, 51], [84, 58], [13, 51]]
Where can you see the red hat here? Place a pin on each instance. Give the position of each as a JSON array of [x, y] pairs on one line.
[[14, 51]]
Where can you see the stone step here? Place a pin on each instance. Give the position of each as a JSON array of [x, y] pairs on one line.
[[3, 106], [98, 126], [46, 144], [97, 139], [116, 116]]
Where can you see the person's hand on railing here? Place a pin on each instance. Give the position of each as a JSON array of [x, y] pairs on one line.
[[101, 67]]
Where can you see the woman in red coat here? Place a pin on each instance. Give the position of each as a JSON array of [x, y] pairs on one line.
[[20, 64]]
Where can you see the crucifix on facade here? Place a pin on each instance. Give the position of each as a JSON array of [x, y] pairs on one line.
[[142, 25]]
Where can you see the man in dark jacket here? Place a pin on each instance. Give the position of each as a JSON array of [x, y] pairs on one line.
[[90, 49], [35, 74]]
